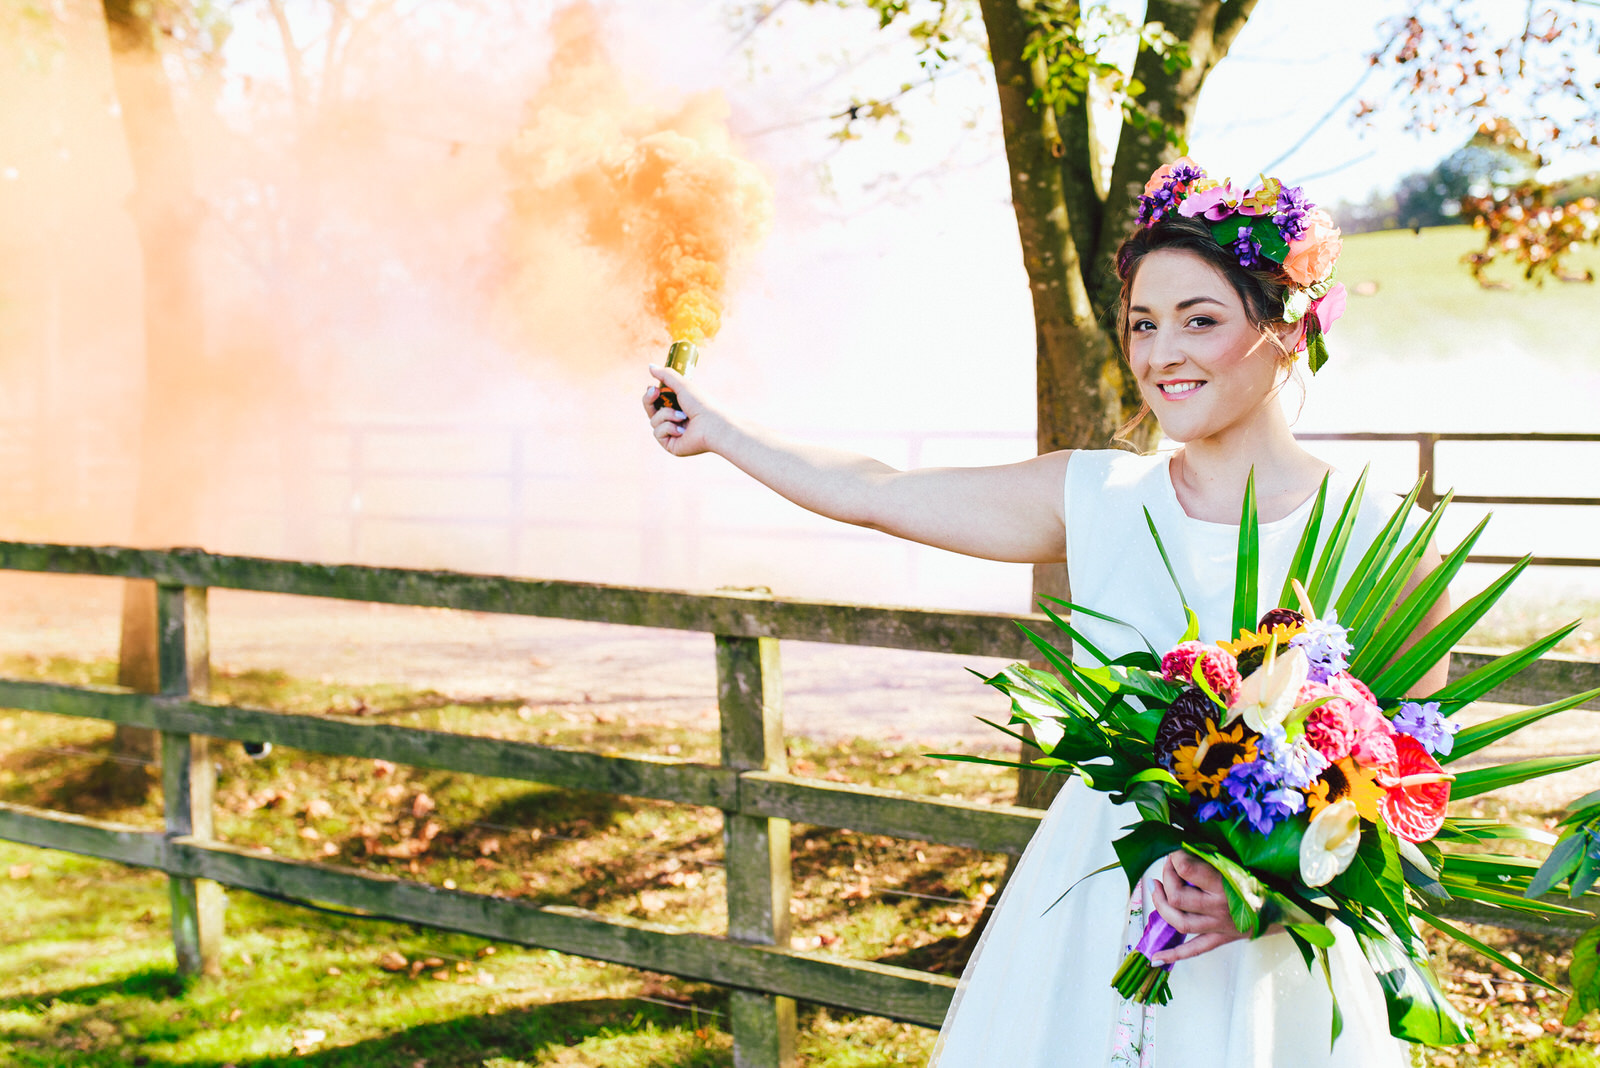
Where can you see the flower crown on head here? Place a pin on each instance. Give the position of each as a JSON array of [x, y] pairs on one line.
[[1266, 225]]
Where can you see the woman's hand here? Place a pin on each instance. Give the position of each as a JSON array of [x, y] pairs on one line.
[[1190, 896], [682, 433]]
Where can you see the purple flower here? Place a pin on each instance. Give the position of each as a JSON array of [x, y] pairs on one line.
[[1327, 647], [1153, 207], [1295, 764], [1293, 207], [1247, 248], [1423, 721], [1255, 793]]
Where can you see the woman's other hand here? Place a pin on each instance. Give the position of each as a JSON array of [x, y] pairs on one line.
[[682, 433], [1190, 896]]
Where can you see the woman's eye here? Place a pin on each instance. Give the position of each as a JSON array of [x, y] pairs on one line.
[[1143, 326], [1201, 320]]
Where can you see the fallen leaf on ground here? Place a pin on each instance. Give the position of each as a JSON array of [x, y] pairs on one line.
[[392, 962], [421, 805], [308, 1040], [20, 871]]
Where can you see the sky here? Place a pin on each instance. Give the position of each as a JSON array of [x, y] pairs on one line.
[[887, 310]]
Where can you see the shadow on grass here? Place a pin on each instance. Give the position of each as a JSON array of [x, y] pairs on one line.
[[620, 1032], [154, 984]]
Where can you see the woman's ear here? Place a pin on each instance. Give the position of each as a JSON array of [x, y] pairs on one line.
[[1291, 335]]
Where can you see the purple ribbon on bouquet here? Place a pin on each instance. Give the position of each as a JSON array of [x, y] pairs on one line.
[[1141, 980], [1159, 936]]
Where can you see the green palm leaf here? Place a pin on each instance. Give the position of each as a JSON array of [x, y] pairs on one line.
[[1405, 619], [1305, 553], [1488, 951], [1400, 676], [1248, 574], [1477, 737], [1472, 686], [1365, 576], [1482, 780], [1327, 572], [1371, 611], [1165, 559]]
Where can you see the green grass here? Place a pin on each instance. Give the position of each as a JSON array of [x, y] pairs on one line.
[[86, 959], [1427, 305]]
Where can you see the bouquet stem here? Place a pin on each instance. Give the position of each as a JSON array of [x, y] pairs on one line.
[[1139, 979]]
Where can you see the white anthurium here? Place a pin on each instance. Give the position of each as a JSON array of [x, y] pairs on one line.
[[1269, 693], [1330, 842]]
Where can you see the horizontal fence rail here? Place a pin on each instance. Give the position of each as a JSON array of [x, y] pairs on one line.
[[751, 785], [1427, 443]]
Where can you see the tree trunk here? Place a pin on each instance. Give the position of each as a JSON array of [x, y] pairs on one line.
[[1069, 238], [166, 216]]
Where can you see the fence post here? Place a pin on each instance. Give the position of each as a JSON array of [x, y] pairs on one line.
[[1425, 468], [756, 850], [188, 778]]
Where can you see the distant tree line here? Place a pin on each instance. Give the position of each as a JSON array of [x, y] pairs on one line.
[[1492, 183]]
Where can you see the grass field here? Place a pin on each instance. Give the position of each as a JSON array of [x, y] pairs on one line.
[[1426, 302], [85, 958]]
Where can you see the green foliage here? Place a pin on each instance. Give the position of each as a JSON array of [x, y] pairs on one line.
[[1068, 50]]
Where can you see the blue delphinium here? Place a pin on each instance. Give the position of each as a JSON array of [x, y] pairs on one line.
[[1423, 721], [1295, 764], [1327, 647], [1266, 791]]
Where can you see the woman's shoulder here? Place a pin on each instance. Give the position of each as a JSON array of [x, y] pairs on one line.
[[1112, 466]]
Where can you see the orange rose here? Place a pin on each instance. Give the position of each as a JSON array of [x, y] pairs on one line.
[[1164, 172], [1312, 256]]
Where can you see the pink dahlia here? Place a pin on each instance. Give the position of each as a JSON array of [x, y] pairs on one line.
[[1217, 667], [1329, 729], [1374, 742]]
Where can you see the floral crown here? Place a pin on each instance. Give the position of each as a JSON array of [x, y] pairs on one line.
[[1268, 224]]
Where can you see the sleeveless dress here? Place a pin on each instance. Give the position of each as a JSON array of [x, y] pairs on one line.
[[1037, 991]]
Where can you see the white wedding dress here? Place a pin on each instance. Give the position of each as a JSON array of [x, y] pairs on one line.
[[1037, 992]]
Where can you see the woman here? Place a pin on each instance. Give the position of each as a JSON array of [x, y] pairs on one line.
[[1221, 290]]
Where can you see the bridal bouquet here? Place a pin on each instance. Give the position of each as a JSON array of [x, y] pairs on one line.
[[1290, 757]]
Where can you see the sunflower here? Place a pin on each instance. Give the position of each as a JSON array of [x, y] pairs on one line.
[[1201, 767], [1346, 779], [1257, 639]]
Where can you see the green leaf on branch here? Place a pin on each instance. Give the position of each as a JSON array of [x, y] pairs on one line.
[[1585, 977]]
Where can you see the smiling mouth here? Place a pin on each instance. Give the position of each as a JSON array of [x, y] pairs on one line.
[[1178, 389]]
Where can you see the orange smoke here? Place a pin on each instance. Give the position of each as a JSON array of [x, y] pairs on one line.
[[627, 218]]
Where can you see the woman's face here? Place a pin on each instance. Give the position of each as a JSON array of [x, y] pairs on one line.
[[1200, 363]]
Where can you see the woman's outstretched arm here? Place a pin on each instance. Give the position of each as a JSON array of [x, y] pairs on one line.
[[1008, 512]]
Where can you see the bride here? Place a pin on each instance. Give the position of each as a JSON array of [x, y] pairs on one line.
[[1212, 325]]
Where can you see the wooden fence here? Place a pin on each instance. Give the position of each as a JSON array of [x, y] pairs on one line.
[[751, 784]]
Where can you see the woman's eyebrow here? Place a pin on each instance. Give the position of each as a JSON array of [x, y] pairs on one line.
[[1182, 304]]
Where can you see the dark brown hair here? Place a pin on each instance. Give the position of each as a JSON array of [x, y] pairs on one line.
[[1260, 291]]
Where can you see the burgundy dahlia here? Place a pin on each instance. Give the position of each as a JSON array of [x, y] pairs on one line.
[[1282, 617], [1183, 724]]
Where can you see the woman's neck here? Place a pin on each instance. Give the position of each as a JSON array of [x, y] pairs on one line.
[[1208, 474]]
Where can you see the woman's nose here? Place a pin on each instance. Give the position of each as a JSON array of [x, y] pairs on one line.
[[1166, 350]]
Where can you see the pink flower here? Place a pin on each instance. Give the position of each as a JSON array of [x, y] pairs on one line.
[[1329, 729], [1164, 172], [1328, 307], [1218, 667], [1374, 741], [1312, 255], [1216, 203]]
